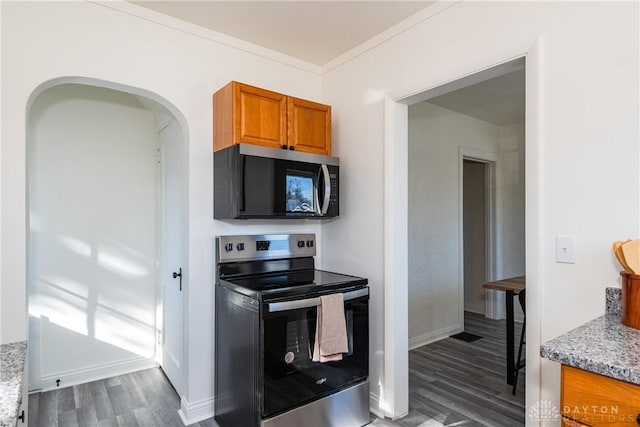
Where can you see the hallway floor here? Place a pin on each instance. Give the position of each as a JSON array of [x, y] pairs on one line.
[[457, 383]]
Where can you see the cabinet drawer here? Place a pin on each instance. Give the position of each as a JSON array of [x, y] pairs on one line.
[[568, 422], [597, 400]]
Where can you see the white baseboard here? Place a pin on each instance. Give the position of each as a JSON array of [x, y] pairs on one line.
[[475, 311], [434, 336], [96, 372], [191, 413]]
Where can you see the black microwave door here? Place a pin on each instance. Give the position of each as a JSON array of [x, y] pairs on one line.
[[277, 188], [251, 186]]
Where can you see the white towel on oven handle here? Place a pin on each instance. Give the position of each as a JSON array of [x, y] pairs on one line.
[[331, 329]]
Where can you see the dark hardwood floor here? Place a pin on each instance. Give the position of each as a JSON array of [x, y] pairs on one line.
[[451, 382], [144, 399]]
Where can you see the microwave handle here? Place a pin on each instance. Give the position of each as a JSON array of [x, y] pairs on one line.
[[312, 302], [327, 190]]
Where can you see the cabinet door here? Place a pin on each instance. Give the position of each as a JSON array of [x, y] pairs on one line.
[[597, 400], [259, 116], [247, 114], [309, 126]]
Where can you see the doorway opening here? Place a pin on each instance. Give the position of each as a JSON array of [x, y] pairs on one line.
[[106, 196], [435, 268], [477, 229]]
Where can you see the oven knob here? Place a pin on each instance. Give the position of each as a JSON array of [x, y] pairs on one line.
[[240, 246], [309, 243], [301, 243], [228, 247]]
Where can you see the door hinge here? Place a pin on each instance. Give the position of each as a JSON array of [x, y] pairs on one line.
[[158, 155]]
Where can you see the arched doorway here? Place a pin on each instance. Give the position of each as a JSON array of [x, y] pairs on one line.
[[106, 196]]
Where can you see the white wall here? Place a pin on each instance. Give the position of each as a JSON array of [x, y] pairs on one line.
[[48, 40], [510, 208], [510, 259], [92, 247], [588, 115], [435, 137]]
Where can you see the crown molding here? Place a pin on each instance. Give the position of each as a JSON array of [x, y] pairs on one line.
[[410, 22], [204, 33]]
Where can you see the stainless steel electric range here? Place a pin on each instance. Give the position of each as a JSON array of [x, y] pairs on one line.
[[267, 295]]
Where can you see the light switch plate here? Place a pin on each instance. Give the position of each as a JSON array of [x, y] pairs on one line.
[[566, 249]]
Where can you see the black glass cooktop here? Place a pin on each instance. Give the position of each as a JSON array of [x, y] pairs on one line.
[[292, 283]]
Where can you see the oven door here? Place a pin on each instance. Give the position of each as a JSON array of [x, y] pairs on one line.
[[290, 377]]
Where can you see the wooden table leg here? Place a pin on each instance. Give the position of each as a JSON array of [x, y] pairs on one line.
[[510, 339]]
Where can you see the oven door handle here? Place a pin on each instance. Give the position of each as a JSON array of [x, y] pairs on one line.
[[312, 302]]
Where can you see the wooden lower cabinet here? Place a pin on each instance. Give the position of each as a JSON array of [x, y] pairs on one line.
[[568, 422], [589, 399]]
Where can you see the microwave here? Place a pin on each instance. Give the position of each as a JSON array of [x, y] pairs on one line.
[[252, 181]]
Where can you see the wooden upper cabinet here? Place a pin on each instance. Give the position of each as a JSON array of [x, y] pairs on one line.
[[309, 126], [248, 114]]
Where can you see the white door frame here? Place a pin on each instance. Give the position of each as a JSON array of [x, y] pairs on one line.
[[164, 266], [396, 344], [492, 298]]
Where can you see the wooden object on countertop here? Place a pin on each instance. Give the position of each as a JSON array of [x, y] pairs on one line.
[[596, 400], [631, 251], [617, 250], [248, 114], [630, 300]]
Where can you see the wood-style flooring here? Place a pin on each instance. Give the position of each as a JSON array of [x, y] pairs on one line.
[[451, 383], [140, 399], [456, 383]]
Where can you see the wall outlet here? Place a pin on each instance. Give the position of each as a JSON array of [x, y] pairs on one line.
[[566, 249]]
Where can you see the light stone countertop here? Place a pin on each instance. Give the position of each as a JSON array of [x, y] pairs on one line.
[[603, 346], [12, 359]]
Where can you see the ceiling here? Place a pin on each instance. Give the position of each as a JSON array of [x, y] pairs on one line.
[[313, 31], [500, 100], [320, 31]]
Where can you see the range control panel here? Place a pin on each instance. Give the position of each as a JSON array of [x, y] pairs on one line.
[[264, 246]]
